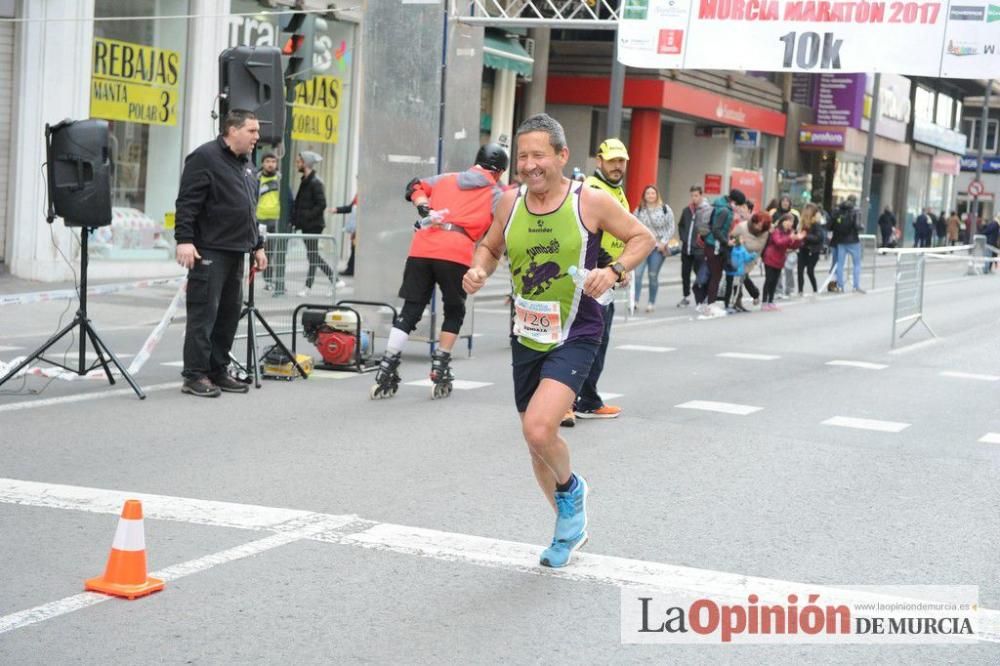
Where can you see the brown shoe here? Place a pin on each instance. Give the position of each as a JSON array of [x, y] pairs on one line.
[[230, 385], [201, 387]]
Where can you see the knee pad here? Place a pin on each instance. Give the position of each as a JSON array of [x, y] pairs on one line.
[[454, 315], [409, 316]]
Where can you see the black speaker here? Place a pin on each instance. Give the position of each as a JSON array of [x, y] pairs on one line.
[[250, 78], [79, 170]]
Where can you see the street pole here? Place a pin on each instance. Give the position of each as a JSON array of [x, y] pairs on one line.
[[614, 127], [983, 126], [866, 186]]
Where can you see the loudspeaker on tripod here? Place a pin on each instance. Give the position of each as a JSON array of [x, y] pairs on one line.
[[79, 172], [250, 78]]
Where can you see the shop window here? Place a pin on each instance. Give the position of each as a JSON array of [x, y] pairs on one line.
[[942, 115], [924, 105], [137, 84], [972, 127]]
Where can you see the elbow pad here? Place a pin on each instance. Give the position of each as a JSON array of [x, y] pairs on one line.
[[410, 187]]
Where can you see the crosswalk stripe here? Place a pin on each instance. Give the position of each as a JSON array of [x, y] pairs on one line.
[[859, 364], [970, 375], [721, 407], [458, 384], [646, 348], [990, 438], [866, 424], [749, 357]]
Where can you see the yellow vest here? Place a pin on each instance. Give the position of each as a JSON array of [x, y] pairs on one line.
[[611, 245], [269, 198]]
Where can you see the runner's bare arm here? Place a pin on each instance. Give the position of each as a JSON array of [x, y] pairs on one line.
[[598, 207], [491, 248]]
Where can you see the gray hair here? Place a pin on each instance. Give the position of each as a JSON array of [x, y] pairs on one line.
[[543, 122]]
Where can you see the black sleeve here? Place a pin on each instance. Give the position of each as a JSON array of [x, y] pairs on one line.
[[196, 182], [318, 200], [346, 208]]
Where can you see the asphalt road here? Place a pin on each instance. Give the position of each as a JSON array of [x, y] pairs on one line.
[[402, 531]]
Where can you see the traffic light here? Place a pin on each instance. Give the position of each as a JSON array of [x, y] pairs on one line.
[[298, 31]]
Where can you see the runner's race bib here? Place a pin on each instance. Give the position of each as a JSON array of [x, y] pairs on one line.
[[539, 321]]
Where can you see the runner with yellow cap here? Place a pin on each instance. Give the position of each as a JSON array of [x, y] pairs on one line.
[[612, 163]]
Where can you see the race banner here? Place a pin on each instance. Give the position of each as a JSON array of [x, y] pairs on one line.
[[934, 39], [134, 82]]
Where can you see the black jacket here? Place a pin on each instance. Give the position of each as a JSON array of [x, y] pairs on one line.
[[216, 205], [886, 220], [310, 204], [845, 225]]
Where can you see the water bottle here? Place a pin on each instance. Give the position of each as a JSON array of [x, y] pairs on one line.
[[433, 217], [579, 276]]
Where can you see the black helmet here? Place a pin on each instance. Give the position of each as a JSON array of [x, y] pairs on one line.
[[492, 157]]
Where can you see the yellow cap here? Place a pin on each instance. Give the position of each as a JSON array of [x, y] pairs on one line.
[[612, 149]]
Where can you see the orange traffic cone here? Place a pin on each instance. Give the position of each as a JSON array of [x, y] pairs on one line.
[[125, 575]]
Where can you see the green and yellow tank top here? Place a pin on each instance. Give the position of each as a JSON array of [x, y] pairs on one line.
[[611, 245], [549, 308]]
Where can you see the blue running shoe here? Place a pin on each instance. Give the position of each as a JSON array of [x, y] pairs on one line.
[[571, 521], [559, 553]]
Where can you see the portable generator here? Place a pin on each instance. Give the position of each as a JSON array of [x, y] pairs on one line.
[[338, 336]]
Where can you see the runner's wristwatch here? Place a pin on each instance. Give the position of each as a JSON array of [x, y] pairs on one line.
[[619, 270]]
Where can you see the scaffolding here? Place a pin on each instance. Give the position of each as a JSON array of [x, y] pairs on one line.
[[565, 14]]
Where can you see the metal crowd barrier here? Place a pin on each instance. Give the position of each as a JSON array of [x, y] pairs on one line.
[[280, 289], [865, 240]]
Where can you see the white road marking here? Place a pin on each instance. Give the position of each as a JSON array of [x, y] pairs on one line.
[[319, 373], [174, 364], [91, 356], [916, 346], [322, 523], [646, 348], [610, 396], [721, 407], [8, 348], [748, 357], [970, 375], [458, 384], [48, 402], [990, 438], [859, 364], [654, 320], [866, 424], [293, 525]]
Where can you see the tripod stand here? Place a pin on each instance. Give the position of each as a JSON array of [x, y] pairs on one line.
[[86, 331], [250, 312]]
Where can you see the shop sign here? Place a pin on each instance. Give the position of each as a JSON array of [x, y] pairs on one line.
[[746, 138], [316, 109], [713, 183], [938, 136], [990, 164], [820, 136], [918, 38], [134, 82], [751, 183], [846, 99], [947, 164]]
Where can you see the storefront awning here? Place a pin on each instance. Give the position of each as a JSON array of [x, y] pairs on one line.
[[500, 53]]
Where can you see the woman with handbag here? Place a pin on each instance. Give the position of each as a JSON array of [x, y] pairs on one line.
[[658, 218]]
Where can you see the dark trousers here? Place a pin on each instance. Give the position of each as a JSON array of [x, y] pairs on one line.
[[807, 265], [702, 275], [715, 263], [923, 240], [589, 399], [733, 288], [214, 299], [315, 261], [689, 264], [771, 277], [886, 235]]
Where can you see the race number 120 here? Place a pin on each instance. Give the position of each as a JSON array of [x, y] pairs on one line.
[[809, 50]]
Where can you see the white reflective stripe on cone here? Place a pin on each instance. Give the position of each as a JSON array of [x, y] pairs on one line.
[[129, 535]]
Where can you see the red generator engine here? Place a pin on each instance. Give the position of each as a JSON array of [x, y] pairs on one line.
[[337, 336]]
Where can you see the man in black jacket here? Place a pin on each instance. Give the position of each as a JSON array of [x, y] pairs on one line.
[[307, 215], [886, 225], [215, 226], [846, 226], [692, 255]]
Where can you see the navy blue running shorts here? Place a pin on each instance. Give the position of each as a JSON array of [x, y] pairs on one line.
[[568, 364]]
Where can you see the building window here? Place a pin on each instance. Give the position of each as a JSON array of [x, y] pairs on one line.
[[942, 115], [143, 105], [972, 126], [957, 124], [924, 107]]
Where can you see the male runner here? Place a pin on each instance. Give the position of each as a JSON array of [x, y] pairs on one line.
[[547, 226]]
